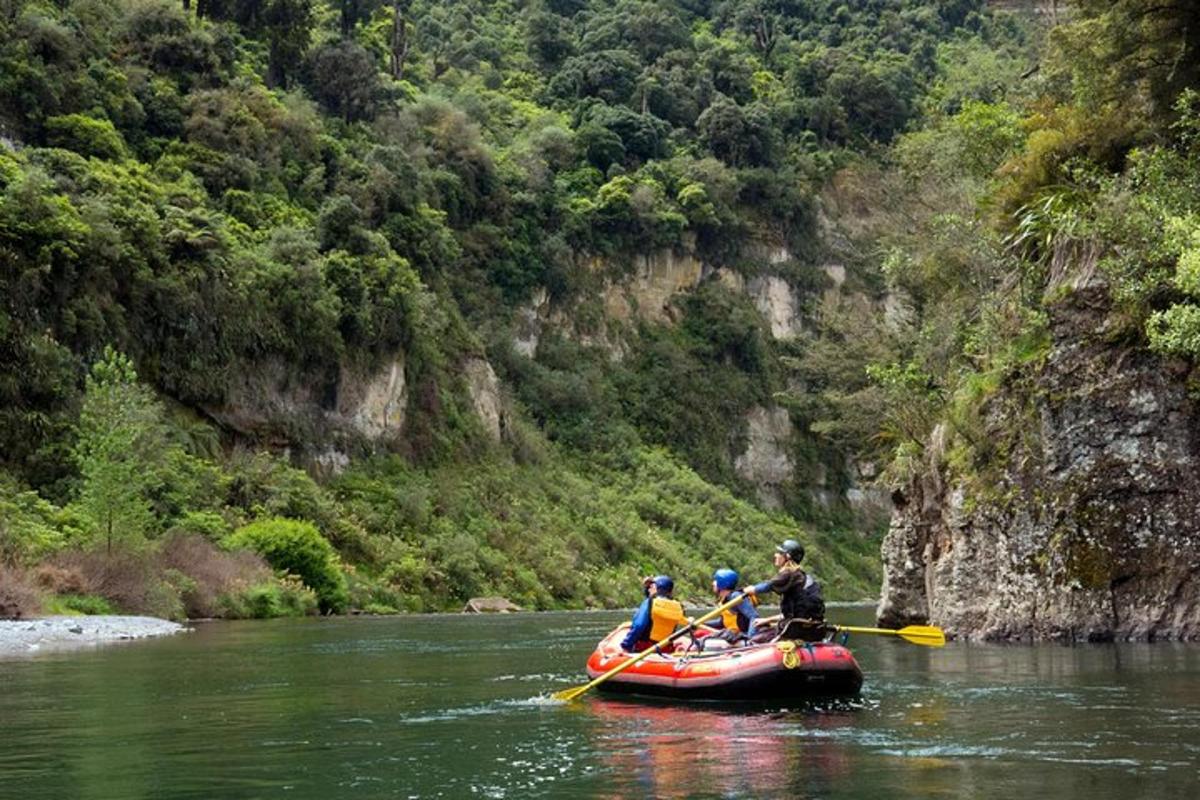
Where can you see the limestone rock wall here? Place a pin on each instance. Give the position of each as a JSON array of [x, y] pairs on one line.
[[485, 395], [777, 302], [1088, 525], [274, 401], [657, 277], [324, 419], [767, 461]]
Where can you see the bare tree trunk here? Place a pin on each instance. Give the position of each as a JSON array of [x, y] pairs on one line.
[[1050, 9], [764, 37], [399, 38]]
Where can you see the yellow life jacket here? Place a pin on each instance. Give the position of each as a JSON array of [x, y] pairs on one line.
[[665, 614], [730, 617]]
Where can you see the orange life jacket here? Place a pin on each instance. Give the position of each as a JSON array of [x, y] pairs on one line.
[[665, 614]]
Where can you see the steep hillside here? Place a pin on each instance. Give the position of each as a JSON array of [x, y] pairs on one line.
[[468, 235]]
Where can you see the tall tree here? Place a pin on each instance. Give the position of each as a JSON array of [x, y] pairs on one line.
[[352, 12], [288, 27], [120, 437]]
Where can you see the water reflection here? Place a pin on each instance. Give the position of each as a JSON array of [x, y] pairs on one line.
[[682, 751]]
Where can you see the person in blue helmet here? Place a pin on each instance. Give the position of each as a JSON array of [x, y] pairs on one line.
[[735, 624], [657, 616]]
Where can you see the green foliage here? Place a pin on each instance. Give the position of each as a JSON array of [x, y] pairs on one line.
[[569, 534], [344, 78], [285, 596], [86, 136], [119, 435], [78, 604], [296, 547], [279, 195], [30, 528], [1176, 330], [1132, 55]]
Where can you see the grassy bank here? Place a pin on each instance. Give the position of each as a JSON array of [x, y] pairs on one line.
[[386, 537]]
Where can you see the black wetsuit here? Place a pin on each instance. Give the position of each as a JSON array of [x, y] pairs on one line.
[[800, 595]]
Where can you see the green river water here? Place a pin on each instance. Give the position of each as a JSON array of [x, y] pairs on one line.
[[454, 707]]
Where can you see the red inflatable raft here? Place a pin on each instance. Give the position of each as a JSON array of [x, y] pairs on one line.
[[785, 670]]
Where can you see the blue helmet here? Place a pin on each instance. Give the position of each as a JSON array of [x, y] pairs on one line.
[[664, 584], [725, 578]]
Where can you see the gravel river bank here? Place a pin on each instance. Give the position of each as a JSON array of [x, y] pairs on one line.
[[55, 634]]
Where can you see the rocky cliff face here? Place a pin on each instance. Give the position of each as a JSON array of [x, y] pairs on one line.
[[767, 460], [322, 418], [274, 402], [1088, 525]]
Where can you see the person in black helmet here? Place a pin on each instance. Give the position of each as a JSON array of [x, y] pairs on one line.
[[800, 595]]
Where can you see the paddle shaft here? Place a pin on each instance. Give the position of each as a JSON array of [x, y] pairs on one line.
[[571, 694], [853, 629]]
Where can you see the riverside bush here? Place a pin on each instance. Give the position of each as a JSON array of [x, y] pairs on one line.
[[286, 596], [89, 604], [212, 573], [296, 547]]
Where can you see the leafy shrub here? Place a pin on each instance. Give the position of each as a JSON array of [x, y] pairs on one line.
[[29, 526], [209, 524], [212, 573], [298, 548], [373, 595], [90, 604], [164, 597], [281, 597], [86, 136]]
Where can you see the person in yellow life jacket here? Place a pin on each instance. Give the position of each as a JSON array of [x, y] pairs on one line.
[[737, 623], [656, 618]]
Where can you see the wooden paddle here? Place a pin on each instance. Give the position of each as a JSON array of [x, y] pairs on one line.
[[568, 695], [926, 635]]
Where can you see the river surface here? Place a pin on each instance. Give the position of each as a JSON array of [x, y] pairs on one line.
[[454, 707]]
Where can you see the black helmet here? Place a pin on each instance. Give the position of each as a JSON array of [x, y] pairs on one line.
[[792, 549]]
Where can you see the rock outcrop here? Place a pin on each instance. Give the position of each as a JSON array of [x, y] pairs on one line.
[[490, 605], [484, 388], [775, 300], [1084, 524], [767, 461], [374, 404], [273, 400], [656, 278]]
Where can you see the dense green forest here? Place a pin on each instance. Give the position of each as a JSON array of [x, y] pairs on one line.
[[195, 195]]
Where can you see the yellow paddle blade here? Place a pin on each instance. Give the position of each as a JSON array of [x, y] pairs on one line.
[[567, 695], [926, 635]]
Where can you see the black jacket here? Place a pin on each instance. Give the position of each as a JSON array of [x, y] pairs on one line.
[[800, 595]]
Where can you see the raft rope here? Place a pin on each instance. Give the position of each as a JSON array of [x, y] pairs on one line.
[[791, 659]]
